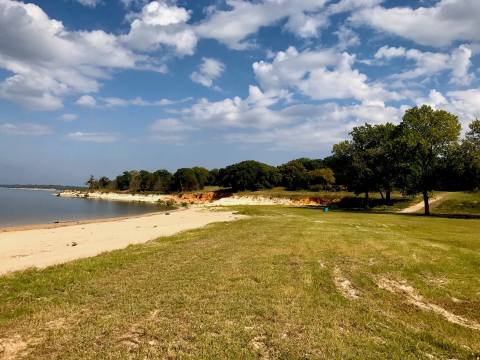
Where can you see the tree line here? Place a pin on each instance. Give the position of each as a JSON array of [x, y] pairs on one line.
[[246, 175], [423, 153]]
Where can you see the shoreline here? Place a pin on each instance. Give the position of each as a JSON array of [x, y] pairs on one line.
[[25, 227], [45, 245], [204, 199]]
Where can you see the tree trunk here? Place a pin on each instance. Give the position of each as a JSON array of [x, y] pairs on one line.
[[425, 201], [366, 200], [388, 195], [381, 194]]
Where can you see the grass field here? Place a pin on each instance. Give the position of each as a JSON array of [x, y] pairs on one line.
[[285, 283]]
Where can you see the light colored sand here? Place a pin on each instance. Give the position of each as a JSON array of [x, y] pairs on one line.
[[251, 200], [419, 206], [148, 198], [417, 300], [44, 247]]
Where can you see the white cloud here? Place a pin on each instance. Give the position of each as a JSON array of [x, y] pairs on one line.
[[346, 38], [208, 71], [130, 3], [99, 138], [351, 5], [317, 126], [463, 103], [159, 24], [50, 62], [466, 103], [169, 130], [253, 111], [69, 117], [244, 18], [322, 74], [305, 25], [428, 63], [440, 25], [90, 3], [87, 101], [113, 102], [27, 129]]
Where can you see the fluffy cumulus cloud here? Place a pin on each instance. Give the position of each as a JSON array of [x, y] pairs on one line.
[[440, 25], [429, 63], [315, 126], [160, 24], [253, 111], [86, 100], [208, 71], [244, 18], [320, 75], [464, 103], [50, 62]]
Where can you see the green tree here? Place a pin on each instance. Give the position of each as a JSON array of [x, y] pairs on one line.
[[250, 175], [386, 155], [147, 180], [92, 183], [214, 177], [294, 175], [359, 156], [470, 152], [202, 175], [123, 181], [162, 181], [135, 181], [185, 180], [427, 135], [104, 182], [324, 177]]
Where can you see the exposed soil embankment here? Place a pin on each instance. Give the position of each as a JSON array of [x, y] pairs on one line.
[[214, 198]]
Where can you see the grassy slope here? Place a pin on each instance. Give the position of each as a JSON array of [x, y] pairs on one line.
[[259, 287], [458, 203]]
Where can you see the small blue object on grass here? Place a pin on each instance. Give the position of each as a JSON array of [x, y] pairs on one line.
[[325, 210]]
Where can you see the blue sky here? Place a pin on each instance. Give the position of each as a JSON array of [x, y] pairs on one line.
[[100, 86]]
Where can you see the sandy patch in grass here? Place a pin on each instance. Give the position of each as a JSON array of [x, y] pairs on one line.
[[40, 248], [417, 300], [13, 348], [344, 285], [419, 206]]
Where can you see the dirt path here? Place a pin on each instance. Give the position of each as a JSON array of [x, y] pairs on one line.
[[419, 206]]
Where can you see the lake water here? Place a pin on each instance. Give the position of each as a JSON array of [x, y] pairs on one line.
[[25, 207]]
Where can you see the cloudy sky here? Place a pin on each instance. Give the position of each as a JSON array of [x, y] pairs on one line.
[[99, 86]]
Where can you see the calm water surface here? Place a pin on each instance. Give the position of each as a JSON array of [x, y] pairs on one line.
[[24, 207]]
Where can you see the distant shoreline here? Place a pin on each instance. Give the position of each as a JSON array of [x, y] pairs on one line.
[[29, 189]]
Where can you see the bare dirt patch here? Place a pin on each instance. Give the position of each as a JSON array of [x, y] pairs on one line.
[[258, 344], [13, 348], [344, 285], [419, 206], [417, 300]]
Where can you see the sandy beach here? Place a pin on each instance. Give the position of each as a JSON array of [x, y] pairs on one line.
[[45, 246]]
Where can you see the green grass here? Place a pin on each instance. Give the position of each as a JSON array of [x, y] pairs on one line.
[[467, 203], [259, 288], [280, 192]]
